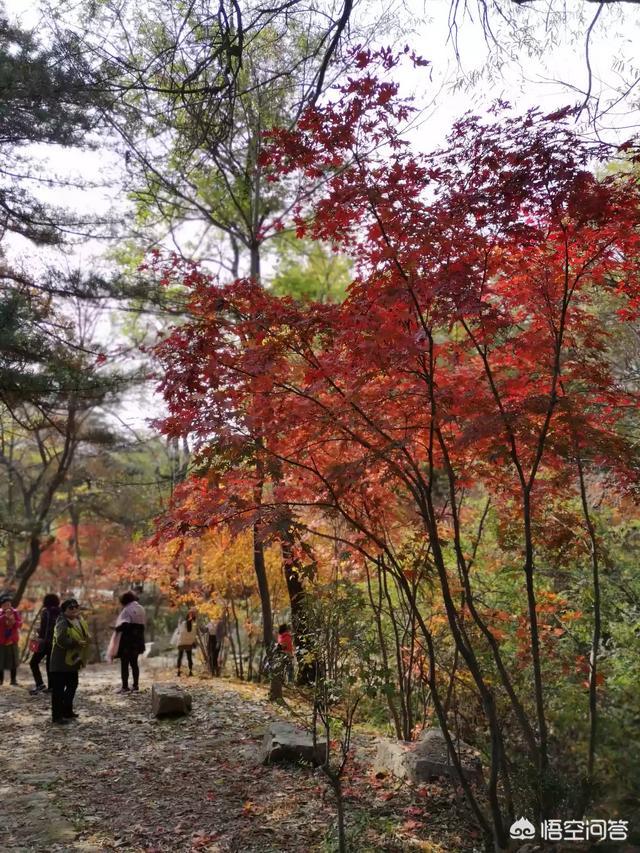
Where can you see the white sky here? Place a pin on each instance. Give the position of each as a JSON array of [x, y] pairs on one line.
[[448, 87]]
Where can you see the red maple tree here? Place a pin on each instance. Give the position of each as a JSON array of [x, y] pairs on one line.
[[469, 360]]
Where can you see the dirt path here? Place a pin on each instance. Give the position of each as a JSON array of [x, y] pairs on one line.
[[117, 779]]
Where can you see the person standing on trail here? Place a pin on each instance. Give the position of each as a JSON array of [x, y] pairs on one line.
[[127, 641], [10, 622], [285, 645], [42, 644], [69, 653], [217, 631], [187, 638]]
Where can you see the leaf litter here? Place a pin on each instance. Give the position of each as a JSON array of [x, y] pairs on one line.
[[118, 779]]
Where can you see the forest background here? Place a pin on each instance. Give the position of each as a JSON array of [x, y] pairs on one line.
[[395, 354]]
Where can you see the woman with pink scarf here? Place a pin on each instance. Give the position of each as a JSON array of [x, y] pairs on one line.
[[127, 641]]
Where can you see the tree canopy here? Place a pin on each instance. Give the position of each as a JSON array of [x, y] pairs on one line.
[[43, 101]]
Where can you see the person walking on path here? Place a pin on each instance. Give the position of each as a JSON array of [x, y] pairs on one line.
[[187, 638], [69, 653], [217, 631], [10, 622], [48, 617], [127, 641]]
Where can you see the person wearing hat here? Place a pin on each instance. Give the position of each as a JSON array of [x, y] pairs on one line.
[[10, 622], [69, 653]]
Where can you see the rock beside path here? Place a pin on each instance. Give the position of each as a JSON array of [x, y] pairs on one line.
[[196, 783], [170, 700], [285, 742], [425, 759]]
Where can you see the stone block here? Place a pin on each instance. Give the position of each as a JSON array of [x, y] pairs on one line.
[[425, 759], [170, 700], [285, 742]]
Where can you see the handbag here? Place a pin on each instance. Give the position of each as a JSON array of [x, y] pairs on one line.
[[35, 646]]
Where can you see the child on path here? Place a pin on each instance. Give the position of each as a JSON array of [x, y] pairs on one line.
[[10, 622], [69, 653], [48, 618], [127, 641]]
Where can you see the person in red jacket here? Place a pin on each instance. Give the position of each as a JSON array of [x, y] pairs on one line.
[[285, 645], [10, 621]]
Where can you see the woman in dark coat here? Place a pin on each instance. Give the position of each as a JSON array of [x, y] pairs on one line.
[[48, 617]]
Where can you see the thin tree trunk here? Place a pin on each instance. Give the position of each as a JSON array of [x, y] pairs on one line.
[[27, 568], [406, 734], [342, 835], [37, 517], [250, 649], [296, 591], [263, 588], [237, 654], [11, 542], [254, 250], [596, 634], [377, 608]]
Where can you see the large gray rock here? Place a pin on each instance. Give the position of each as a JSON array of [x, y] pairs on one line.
[[285, 742], [170, 700], [425, 759]]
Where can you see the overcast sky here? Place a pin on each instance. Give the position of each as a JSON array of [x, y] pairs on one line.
[[525, 77], [481, 70]]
